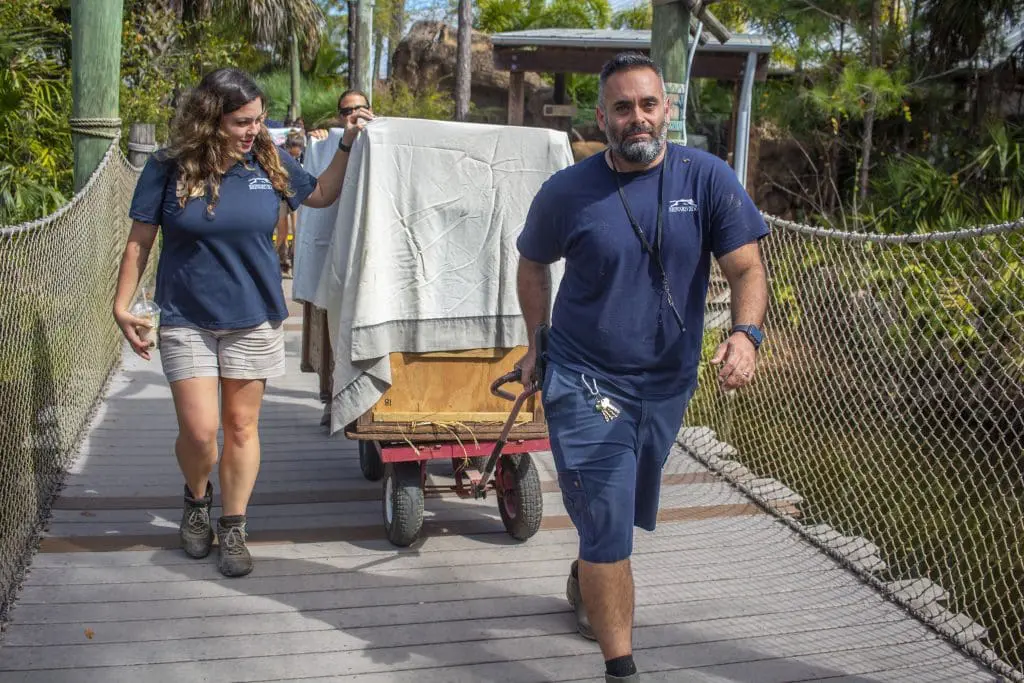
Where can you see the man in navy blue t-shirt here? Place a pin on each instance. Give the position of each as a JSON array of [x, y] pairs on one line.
[[637, 226]]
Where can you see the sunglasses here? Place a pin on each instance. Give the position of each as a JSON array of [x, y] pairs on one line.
[[345, 111]]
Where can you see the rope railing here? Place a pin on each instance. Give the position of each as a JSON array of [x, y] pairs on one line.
[[889, 404], [60, 345]]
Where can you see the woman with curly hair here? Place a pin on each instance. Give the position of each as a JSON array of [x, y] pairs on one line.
[[217, 192]]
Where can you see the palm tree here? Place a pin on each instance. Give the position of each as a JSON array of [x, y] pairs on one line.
[[294, 27]]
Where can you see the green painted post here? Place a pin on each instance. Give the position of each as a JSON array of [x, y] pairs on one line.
[[95, 81], [670, 37]]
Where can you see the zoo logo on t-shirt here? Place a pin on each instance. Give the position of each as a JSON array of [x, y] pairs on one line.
[[682, 206], [260, 184]]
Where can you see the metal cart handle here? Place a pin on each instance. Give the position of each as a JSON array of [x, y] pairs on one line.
[[514, 376]]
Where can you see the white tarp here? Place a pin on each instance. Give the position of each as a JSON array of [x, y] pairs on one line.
[[419, 252]]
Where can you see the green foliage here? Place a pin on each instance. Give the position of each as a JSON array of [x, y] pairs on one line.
[[497, 16], [319, 96], [911, 194], [158, 59], [851, 94], [639, 17], [397, 99], [35, 103]]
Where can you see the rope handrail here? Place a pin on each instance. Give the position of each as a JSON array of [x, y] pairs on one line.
[[113, 150], [884, 238]]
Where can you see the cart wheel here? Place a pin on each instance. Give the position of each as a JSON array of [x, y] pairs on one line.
[[520, 499], [370, 461], [403, 502]]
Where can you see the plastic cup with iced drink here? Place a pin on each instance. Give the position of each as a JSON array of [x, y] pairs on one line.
[[146, 309]]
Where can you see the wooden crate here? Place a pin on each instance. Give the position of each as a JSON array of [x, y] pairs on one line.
[[438, 396]]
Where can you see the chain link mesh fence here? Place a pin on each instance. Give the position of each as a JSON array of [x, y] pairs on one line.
[[59, 345], [888, 412]]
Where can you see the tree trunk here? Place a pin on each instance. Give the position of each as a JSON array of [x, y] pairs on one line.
[[364, 80], [295, 107], [378, 51], [867, 141], [350, 40], [463, 60]]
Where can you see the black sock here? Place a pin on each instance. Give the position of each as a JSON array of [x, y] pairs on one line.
[[232, 520], [621, 666]]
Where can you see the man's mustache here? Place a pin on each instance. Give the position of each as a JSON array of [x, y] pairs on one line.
[[633, 130]]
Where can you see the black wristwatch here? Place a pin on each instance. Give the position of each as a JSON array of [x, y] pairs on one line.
[[343, 147], [753, 333]]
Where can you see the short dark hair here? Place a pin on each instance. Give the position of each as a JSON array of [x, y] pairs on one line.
[[352, 91], [624, 61]]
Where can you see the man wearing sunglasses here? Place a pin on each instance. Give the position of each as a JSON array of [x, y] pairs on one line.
[[353, 106]]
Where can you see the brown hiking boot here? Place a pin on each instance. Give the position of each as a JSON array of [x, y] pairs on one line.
[[234, 559], [575, 598], [195, 530]]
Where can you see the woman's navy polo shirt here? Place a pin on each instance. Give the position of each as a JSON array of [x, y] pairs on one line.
[[219, 271]]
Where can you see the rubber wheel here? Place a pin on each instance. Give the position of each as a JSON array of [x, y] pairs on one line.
[[520, 499], [402, 502], [370, 461]]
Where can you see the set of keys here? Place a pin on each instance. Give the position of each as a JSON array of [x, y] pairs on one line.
[[608, 410]]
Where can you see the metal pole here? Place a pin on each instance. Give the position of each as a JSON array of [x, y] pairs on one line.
[[670, 35], [95, 82], [743, 119]]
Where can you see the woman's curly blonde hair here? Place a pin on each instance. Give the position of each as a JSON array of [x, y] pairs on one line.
[[201, 149]]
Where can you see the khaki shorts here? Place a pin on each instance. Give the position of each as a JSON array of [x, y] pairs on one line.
[[252, 353]]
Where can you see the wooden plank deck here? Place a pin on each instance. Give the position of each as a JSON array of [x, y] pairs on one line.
[[724, 592]]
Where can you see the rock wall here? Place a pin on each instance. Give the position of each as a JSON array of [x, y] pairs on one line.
[[425, 59]]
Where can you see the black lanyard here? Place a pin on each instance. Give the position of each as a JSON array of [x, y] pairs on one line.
[[654, 251]]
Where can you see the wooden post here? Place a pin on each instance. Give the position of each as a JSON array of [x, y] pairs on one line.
[[516, 97], [141, 143], [464, 60], [560, 97], [95, 82], [670, 38]]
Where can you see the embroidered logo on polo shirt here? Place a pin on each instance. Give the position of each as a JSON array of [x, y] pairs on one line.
[[682, 206], [260, 184]]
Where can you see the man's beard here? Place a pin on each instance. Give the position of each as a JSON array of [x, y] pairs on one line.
[[638, 151]]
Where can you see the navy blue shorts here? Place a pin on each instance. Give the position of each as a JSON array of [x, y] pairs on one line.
[[609, 472]]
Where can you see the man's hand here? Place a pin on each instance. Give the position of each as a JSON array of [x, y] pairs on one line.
[[527, 366], [318, 134], [355, 125], [130, 328], [740, 361]]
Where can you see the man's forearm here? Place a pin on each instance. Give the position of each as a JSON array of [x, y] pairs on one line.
[[749, 296], [534, 287]]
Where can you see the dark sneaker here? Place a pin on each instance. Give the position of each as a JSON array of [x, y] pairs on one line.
[[235, 559], [575, 598], [196, 530], [632, 678]]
